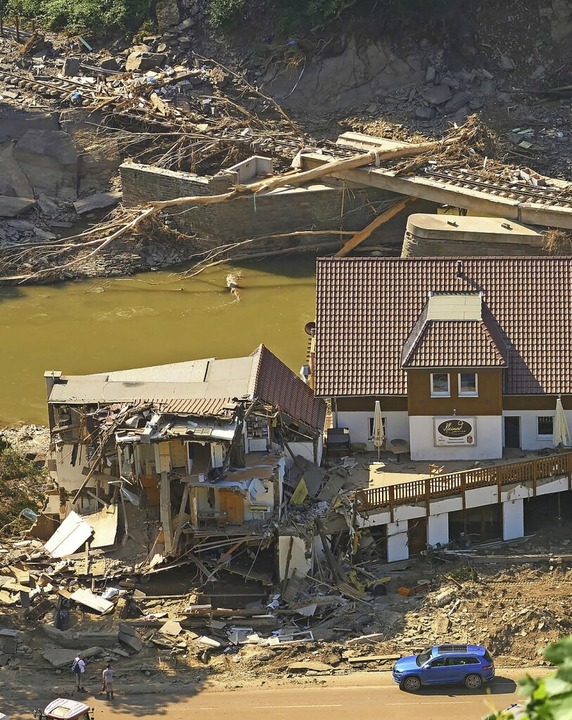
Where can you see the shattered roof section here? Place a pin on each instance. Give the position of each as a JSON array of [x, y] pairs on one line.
[[203, 387], [277, 385], [367, 308]]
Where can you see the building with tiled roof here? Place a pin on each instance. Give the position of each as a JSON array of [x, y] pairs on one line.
[[199, 445], [465, 356]]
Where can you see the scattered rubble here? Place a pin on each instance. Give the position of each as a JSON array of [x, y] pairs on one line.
[[111, 607], [180, 100]]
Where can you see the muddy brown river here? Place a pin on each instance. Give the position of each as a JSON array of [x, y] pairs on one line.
[[150, 319]]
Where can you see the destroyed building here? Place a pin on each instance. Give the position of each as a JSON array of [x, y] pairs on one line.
[[178, 455]]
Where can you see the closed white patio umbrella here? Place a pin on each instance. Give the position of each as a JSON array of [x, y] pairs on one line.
[[560, 431], [377, 435]]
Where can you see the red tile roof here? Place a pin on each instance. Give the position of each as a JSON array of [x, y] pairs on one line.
[[455, 344], [275, 384], [366, 308]]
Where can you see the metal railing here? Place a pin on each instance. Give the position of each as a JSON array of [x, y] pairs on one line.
[[427, 489]]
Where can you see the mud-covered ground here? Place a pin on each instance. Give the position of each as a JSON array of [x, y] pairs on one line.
[[511, 597]]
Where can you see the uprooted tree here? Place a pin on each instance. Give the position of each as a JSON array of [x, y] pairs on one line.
[[131, 221]]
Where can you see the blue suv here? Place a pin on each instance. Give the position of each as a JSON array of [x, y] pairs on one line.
[[445, 665]]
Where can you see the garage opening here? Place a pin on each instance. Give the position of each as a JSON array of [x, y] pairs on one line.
[[544, 510], [481, 524]]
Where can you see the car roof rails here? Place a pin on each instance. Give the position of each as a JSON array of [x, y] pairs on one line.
[[452, 648]]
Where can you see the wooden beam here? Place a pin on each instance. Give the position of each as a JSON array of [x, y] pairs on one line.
[[362, 235], [331, 167]]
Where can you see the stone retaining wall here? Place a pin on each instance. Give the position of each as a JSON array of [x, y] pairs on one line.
[[317, 207]]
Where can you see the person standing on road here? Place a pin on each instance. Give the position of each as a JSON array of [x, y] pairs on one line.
[[107, 678], [78, 668]]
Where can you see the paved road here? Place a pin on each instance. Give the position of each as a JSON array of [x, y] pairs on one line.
[[360, 696]]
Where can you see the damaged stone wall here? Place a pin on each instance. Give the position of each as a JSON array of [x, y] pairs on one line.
[[318, 207]]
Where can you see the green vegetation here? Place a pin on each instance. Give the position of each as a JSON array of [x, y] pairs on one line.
[[549, 697], [97, 16], [225, 12], [21, 485], [304, 15], [102, 17]]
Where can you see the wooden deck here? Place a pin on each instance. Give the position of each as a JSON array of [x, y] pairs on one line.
[[431, 488]]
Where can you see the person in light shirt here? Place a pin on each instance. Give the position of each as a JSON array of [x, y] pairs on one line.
[[107, 678]]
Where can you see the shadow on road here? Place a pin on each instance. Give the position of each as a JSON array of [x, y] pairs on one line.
[[498, 686]]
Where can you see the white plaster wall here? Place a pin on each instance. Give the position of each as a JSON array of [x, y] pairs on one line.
[[374, 520], [481, 496], [529, 438], [69, 476], [264, 497], [446, 505], [298, 560], [408, 512], [516, 492], [396, 425], [438, 529], [305, 449], [487, 447], [512, 519], [558, 485], [397, 547]]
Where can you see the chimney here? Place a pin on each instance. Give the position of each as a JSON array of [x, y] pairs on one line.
[[51, 377]]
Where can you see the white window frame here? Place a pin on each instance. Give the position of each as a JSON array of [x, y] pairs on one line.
[[441, 393], [468, 393], [545, 435]]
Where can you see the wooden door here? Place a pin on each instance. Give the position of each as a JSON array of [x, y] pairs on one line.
[[232, 503], [512, 431], [417, 535]]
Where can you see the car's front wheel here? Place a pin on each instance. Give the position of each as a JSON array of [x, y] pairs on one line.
[[410, 684], [473, 682]]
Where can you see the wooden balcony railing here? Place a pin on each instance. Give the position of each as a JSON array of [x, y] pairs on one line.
[[427, 489]]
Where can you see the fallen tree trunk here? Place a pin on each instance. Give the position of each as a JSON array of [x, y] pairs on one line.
[[150, 210], [362, 235], [328, 168]]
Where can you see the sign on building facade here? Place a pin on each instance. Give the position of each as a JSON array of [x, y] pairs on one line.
[[455, 431]]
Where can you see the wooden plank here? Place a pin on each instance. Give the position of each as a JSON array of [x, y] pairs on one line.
[[372, 658], [181, 518], [362, 235]]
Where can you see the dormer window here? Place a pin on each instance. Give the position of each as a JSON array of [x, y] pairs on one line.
[[440, 385], [468, 384]]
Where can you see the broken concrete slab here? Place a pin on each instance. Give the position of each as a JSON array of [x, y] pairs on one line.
[[60, 657], [96, 202], [209, 642], [11, 206], [506, 63], [80, 640], [94, 602], [437, 94], [457, 101], [128, 636], [139, 61], [171, 628]]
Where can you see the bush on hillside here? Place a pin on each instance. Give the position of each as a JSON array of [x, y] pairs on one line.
[[98, 16], [21, 486], [225, 12]]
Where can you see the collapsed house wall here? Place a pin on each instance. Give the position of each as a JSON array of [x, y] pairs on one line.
[[294, 556], [319, 206]]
